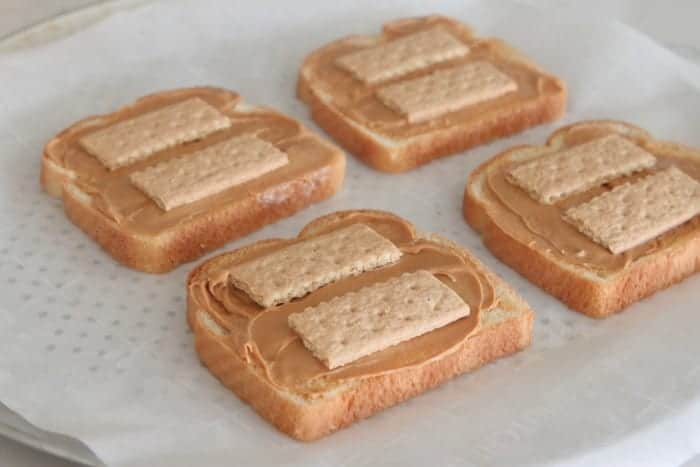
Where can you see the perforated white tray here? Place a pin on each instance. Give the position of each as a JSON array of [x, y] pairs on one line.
[[103, 353]]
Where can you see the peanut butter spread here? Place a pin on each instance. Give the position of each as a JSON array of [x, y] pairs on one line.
[[117, 198], [263, 338], [358, 101], [542, 226]]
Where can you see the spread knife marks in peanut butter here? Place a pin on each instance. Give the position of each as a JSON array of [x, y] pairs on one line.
[[539, 224], [264, 337], [359, 102], [118, 199]]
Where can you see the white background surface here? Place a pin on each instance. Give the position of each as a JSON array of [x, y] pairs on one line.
[[673, 26]]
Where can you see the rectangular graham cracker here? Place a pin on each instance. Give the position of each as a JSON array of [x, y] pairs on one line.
[[303, 267], [357, 324], [634, 213], [446, 90], [403, 55], [131, 140], [558, 175], [204, 173]]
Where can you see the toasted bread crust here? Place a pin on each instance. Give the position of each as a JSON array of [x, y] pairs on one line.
[[424, 148], [311, 419], [168, 249], [52, 177], [307, 422], [595, 298]]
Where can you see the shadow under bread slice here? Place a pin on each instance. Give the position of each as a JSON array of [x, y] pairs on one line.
[[361, 313], [179, 173], [424, 88], [601, 216]]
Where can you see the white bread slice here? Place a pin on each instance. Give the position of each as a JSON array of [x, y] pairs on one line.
[[581, 288], [504, 329], [397, 154], [234, 215]]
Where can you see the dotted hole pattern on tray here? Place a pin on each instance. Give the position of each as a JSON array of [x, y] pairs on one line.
[[88, 308], [76, 299]]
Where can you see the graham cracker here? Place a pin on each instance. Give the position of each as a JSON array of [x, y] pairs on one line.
[[135, 139], [558, 175], [303, 267], [357, 324], [403, 55], [634, 213], [446, 90], [203, 173]]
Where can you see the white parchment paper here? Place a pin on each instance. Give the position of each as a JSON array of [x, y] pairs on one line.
[[100, 352]]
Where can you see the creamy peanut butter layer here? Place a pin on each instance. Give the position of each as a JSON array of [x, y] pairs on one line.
[[262, 335], [544, 226], [359, 102], [117, 198]]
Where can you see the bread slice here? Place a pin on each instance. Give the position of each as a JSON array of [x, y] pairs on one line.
[[354, 113], [142, 235], [220, 340], [596, 292]]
